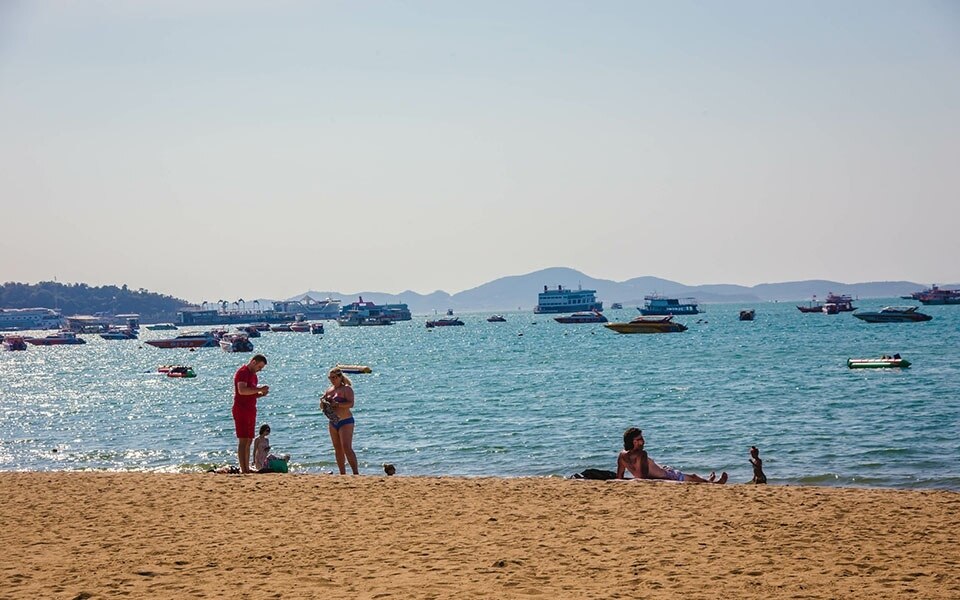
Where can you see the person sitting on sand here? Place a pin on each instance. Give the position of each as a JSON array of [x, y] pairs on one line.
[[634, 458], [263, 461], [758, 476]]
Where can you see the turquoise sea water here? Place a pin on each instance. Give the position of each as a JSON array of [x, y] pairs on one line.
[[485, 400]]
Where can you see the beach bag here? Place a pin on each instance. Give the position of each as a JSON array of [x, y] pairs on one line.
[[329, 411], [598, 474], [277, 465]]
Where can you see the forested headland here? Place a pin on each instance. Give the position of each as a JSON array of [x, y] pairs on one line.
[[82, 299]]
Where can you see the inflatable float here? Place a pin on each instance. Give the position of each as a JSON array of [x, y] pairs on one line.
[[885, 362], [354, 368], [177, 371]]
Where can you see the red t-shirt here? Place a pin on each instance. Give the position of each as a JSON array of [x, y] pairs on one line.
[[244, 374]]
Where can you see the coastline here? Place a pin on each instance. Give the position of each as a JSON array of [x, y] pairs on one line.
[[98, 535]]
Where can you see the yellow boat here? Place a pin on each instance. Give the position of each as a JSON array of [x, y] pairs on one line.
[[648, 324]]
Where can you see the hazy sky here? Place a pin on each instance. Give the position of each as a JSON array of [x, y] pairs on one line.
[[225, 149]]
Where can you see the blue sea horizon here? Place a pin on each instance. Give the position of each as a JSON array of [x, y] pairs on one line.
[[529, 397]]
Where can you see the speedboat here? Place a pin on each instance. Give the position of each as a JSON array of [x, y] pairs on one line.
[[13, 343], [747, 314], [205, 339], [61, 338], [236, 342], [582, 317], [300, 327], [444, 322], [280, 327], [893, 314], [616, 306], [119, 334], [250, 330], [161, 327], [648, 324], [884, 362], [316, 328], [496, 319]]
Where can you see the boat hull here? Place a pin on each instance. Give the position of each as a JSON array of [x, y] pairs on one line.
[[883, 318], [646, 327], [175, 343]]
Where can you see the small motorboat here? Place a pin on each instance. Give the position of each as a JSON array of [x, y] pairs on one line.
[[445, 322], [13, 343], [496, 319], [616, 306], [250, 330], [747, 314], [204, 339], [60, 338], [884, 362], [648, 324], [316, 328], [893, 314], [354, 368], [236, 342], [119, 334], [161, 327], [280, 327], [590, 316], [181, 371], [300, 327]]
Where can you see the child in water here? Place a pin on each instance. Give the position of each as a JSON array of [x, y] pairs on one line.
[[263, 461], [758, 476]]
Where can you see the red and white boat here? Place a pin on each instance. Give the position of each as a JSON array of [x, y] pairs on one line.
[[187, 340], [14, 342], [61, 338]]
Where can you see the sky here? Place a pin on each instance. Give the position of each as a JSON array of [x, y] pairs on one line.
[[261, 149]]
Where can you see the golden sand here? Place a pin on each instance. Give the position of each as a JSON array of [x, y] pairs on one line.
[[107, 535]]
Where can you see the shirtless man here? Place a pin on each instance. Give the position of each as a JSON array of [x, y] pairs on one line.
[[634, 458]]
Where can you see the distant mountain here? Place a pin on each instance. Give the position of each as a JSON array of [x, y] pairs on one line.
[[520, 291]]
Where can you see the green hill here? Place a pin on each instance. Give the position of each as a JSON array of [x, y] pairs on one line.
[[82, 299]]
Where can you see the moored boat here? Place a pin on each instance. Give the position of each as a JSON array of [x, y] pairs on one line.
[[747, 314], [119, 334], [884, 362], [496, 319], [13, 343], [61, 338], [648, 324], [316, 328], [563, 300], [657, 305], [236, 342], [591, 316], [893, 314], [187, 340], [843, 302], [300, 327], [281, 327], [935, 295], [161, 327], [445, 322], [616, 306]]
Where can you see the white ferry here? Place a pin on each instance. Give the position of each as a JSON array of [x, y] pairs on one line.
[[567, 301], [29, 318]]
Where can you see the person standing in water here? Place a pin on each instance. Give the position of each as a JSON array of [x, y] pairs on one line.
[[340, 397], [245, 394], [634, 458]]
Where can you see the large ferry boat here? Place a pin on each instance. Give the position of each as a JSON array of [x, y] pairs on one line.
[[657, 305], [12, 319], [562, 300]]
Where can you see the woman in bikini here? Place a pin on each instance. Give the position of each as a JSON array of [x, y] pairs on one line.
[[340, 396]]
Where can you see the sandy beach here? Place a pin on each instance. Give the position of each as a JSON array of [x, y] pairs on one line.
[[103, 535]]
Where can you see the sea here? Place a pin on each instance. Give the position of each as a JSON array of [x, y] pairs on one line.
[[525, 398]]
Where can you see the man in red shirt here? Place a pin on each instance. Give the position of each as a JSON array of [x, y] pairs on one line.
[[245, 394]]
